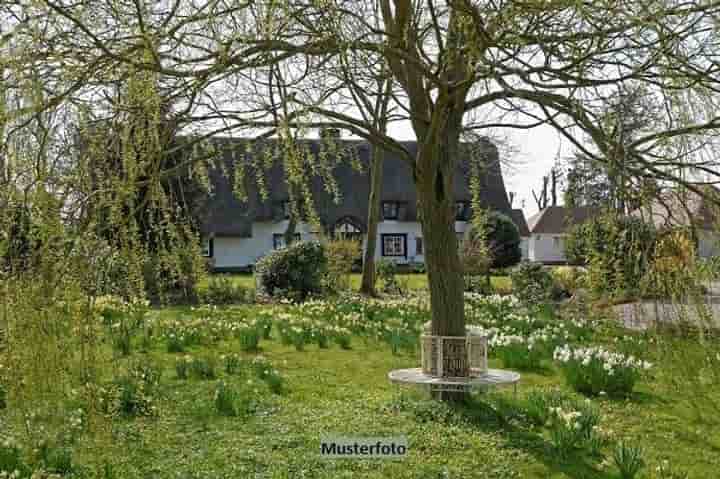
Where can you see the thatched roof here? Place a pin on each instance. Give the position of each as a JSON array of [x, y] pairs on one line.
[[226, 215], [558, 219], [676, 208]]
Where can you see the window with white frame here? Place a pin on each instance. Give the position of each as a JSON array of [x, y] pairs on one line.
[[419, 245], [557, 241], [394, 244], [206, 247]]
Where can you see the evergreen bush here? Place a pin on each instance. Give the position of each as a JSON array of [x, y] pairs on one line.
[[294, 272]]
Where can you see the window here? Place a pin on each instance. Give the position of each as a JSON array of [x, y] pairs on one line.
[[418, 245], [557, 241], [206, 248], [345, 229], [394, 244], [462, 210], [279, 240], [390, 210]]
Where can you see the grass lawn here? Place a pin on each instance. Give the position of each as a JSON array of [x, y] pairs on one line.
[[346, 392], [409, 281]]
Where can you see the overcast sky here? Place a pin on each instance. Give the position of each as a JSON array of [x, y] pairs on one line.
[[536, 152]]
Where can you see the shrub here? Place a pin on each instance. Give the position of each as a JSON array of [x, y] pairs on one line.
[[341, 255], [597, 371], [386, 272], [222, 289], [569, 279], [503, 240], [532, 284], [173, 275], [628, 460], [295, 272], [3, 397], [492, 243], [673, 270], [615, 249], [474, 255]]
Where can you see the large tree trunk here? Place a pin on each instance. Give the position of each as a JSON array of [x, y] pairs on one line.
[[435, 165], [368, 273]]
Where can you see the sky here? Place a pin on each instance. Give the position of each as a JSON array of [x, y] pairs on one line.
[[523, 170]]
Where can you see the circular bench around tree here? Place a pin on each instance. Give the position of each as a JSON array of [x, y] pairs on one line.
[[454, 364]]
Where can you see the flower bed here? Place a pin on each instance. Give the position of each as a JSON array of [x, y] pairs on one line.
[[597, 371]]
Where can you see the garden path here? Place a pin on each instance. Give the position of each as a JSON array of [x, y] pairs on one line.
[[644, 314]]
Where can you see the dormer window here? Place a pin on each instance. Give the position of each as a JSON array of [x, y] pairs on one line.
[[390, 210], [462, 210]]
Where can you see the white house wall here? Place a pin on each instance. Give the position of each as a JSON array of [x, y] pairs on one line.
[[543, 248], [708, 244], [236, 252], [524, 247]]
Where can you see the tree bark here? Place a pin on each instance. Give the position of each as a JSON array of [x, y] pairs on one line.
[[434, 180], [367, 285]]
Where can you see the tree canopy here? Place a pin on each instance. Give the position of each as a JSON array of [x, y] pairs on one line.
[[459, 69]]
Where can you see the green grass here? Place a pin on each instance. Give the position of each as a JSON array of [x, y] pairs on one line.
[[346, 392], [412, 281]]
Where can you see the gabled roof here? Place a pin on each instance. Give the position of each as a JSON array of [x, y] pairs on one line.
[[558, 219], [518, 218], [226, 215], [683, 208]]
